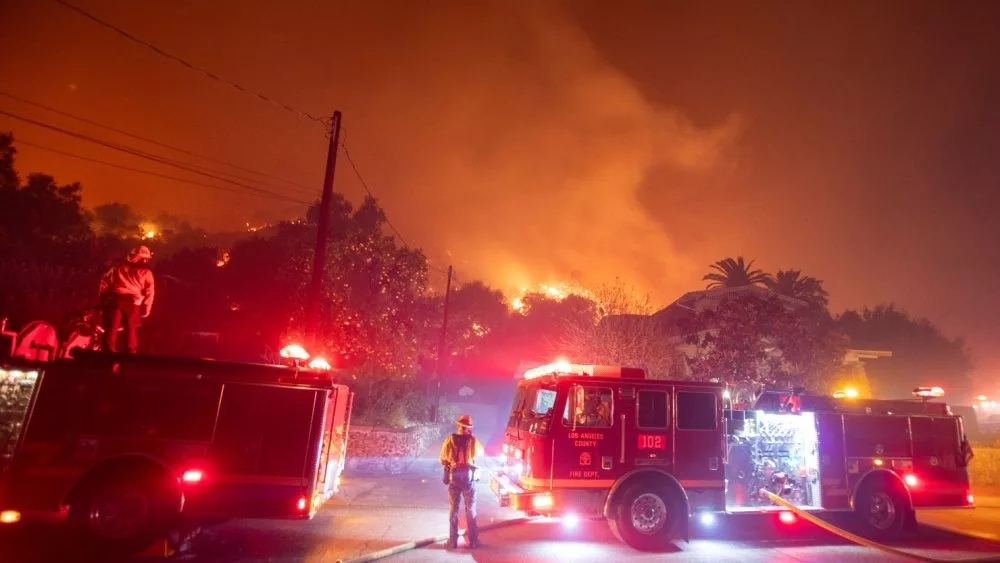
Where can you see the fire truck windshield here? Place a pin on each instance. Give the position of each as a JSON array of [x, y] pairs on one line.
[[544, 401], [532, 409]]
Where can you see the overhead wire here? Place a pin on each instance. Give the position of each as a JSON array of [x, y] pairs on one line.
[[145, 155], [147, 172], [158, 143], [364, 184], [209, 74], [192, 66]]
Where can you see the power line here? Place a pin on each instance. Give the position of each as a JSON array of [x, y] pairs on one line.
[[231, 84], [178, 60], [147, 172], [158, 143], [357, 173], [143, 154], [364, 184]]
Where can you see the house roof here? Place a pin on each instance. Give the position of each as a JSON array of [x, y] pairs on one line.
[[694, 301]]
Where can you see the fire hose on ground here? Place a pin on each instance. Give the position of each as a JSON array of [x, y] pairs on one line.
[[854, 538], [864, 541]]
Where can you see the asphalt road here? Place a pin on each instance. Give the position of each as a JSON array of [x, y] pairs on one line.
[[592, 541], [377, 511]]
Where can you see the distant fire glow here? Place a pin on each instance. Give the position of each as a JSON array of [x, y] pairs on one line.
[[556, 291]]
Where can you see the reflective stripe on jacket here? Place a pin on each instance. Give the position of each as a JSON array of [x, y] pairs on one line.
[[460, 449], [130, 279]]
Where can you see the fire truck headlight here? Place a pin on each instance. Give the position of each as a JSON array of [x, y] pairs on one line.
[[571, 520], [707, 519]]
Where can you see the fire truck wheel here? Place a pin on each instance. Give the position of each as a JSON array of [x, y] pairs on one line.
[[882, 509], [123, 513], [646, 517]]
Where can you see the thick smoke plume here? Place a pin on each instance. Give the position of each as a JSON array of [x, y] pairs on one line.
[[525, 151]]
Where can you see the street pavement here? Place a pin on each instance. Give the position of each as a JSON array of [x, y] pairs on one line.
[[983, 523], [376, 511]]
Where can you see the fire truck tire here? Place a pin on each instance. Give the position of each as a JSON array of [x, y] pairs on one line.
[[882, 509], [123, 513], [647, 516]]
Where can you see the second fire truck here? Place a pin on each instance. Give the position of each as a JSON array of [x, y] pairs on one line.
[[124, 447], [648, 455]]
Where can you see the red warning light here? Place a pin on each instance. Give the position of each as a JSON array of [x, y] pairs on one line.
[[786, 517]]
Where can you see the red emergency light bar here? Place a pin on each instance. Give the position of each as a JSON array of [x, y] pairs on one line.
[[928, 392], [563, 368]]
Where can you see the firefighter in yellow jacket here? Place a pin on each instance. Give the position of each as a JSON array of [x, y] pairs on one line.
[[126, 293], [458, 456]]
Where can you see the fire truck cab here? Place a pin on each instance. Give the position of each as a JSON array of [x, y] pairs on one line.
[[600, 441], [124, 447]]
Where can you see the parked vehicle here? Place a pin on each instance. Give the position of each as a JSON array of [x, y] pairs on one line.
[[647, 455], [125, 447]]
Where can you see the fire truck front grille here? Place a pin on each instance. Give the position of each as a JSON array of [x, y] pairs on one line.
[[582, 501]]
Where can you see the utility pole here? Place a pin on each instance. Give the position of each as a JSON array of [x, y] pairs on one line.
[[439, 371], [322, 233]]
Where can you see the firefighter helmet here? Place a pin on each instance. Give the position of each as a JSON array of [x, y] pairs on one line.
[[140, 253], [465, 420]]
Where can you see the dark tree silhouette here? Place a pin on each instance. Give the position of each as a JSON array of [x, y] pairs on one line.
[[921, 354], [791, 283], [735, 273]]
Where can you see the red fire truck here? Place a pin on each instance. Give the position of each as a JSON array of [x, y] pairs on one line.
[[125, 447], [647, 455]]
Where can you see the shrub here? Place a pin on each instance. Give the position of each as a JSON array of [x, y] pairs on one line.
[[388, 401], [449, 413], [984, 470]]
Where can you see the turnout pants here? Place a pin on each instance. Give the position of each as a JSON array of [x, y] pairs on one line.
[[121, 312], [462, 487]]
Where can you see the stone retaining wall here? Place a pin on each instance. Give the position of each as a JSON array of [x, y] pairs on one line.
[[369, 442]]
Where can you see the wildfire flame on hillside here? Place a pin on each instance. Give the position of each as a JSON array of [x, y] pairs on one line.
[[556, 290]]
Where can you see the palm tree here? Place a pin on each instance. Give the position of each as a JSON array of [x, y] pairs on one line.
[[735, 273], [791, 283]]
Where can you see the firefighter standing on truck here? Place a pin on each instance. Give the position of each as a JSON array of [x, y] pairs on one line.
[[126, 294], [458, 455]]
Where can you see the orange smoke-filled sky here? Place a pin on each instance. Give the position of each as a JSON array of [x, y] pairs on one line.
[[533, 142]]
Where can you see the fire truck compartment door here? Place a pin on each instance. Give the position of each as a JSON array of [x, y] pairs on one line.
[[698, 439]]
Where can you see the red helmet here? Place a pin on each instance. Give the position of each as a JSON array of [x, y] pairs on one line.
[[465, 420], [140, 253]]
